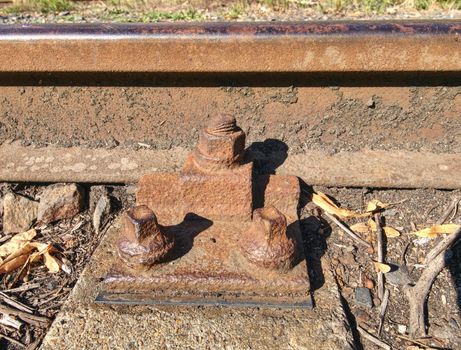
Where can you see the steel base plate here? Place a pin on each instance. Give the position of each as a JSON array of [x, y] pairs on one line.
[[208, 268]]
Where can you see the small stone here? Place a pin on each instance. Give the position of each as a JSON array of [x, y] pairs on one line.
[[398, 275], [402, 329], [101, 212], [368, 283], [371, 103], [347, 291], [362, 317], [96, 192], [363, 297], [60, 201], [18, 213]]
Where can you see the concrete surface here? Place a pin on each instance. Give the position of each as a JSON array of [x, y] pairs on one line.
[[398, 169], [82, 324]]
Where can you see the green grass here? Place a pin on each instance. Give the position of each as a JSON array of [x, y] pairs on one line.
[[380, 6], [44, 6], [187, 15], [193, 10], [237, 9]]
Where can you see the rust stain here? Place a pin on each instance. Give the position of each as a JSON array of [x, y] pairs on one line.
[[212, 238]]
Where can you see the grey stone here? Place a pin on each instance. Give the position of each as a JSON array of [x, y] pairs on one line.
[[398, 276], [60, 201], [444, 332], [453, 323], [363, 297], [18, 213]]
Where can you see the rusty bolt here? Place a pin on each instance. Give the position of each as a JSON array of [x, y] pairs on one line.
[[266, 242], [221, 144], [143, 242]]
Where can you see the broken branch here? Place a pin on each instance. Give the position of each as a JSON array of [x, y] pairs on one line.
[[417, 295]]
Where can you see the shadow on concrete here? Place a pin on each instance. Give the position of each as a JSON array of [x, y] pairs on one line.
[[185, 233]]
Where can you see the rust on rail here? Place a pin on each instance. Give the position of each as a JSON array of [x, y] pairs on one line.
[[422, 46]]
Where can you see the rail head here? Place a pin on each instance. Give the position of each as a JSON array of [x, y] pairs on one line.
[[399, 46]]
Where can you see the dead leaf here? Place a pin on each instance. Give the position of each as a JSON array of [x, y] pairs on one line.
[[391, 232], [51, 263], [384, 268], [360, 227], [29, 253], [24, 250], [375, 205], [434, 231], [323, 201], [17, 242], [371, 226]]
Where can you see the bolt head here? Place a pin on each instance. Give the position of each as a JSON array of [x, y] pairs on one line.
[[266, 242], [143, 242]]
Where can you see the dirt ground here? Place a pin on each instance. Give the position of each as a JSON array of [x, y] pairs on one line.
[[351, 264]]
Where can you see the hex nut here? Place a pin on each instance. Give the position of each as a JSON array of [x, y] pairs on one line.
[[266, 242], [143, 242], [222, 143]]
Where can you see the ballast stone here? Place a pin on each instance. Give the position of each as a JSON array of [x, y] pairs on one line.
[[60, 201]]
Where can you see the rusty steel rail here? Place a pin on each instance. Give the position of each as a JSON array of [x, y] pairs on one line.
[[415, 46], [87, 85]]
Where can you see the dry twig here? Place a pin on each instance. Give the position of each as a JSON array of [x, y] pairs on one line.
[[8, 321], [417, 295], [379, 235], [12, 340], [347, 230], [446, 214], [382, 311], [373, 339], [32, 319], [22, 288]]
